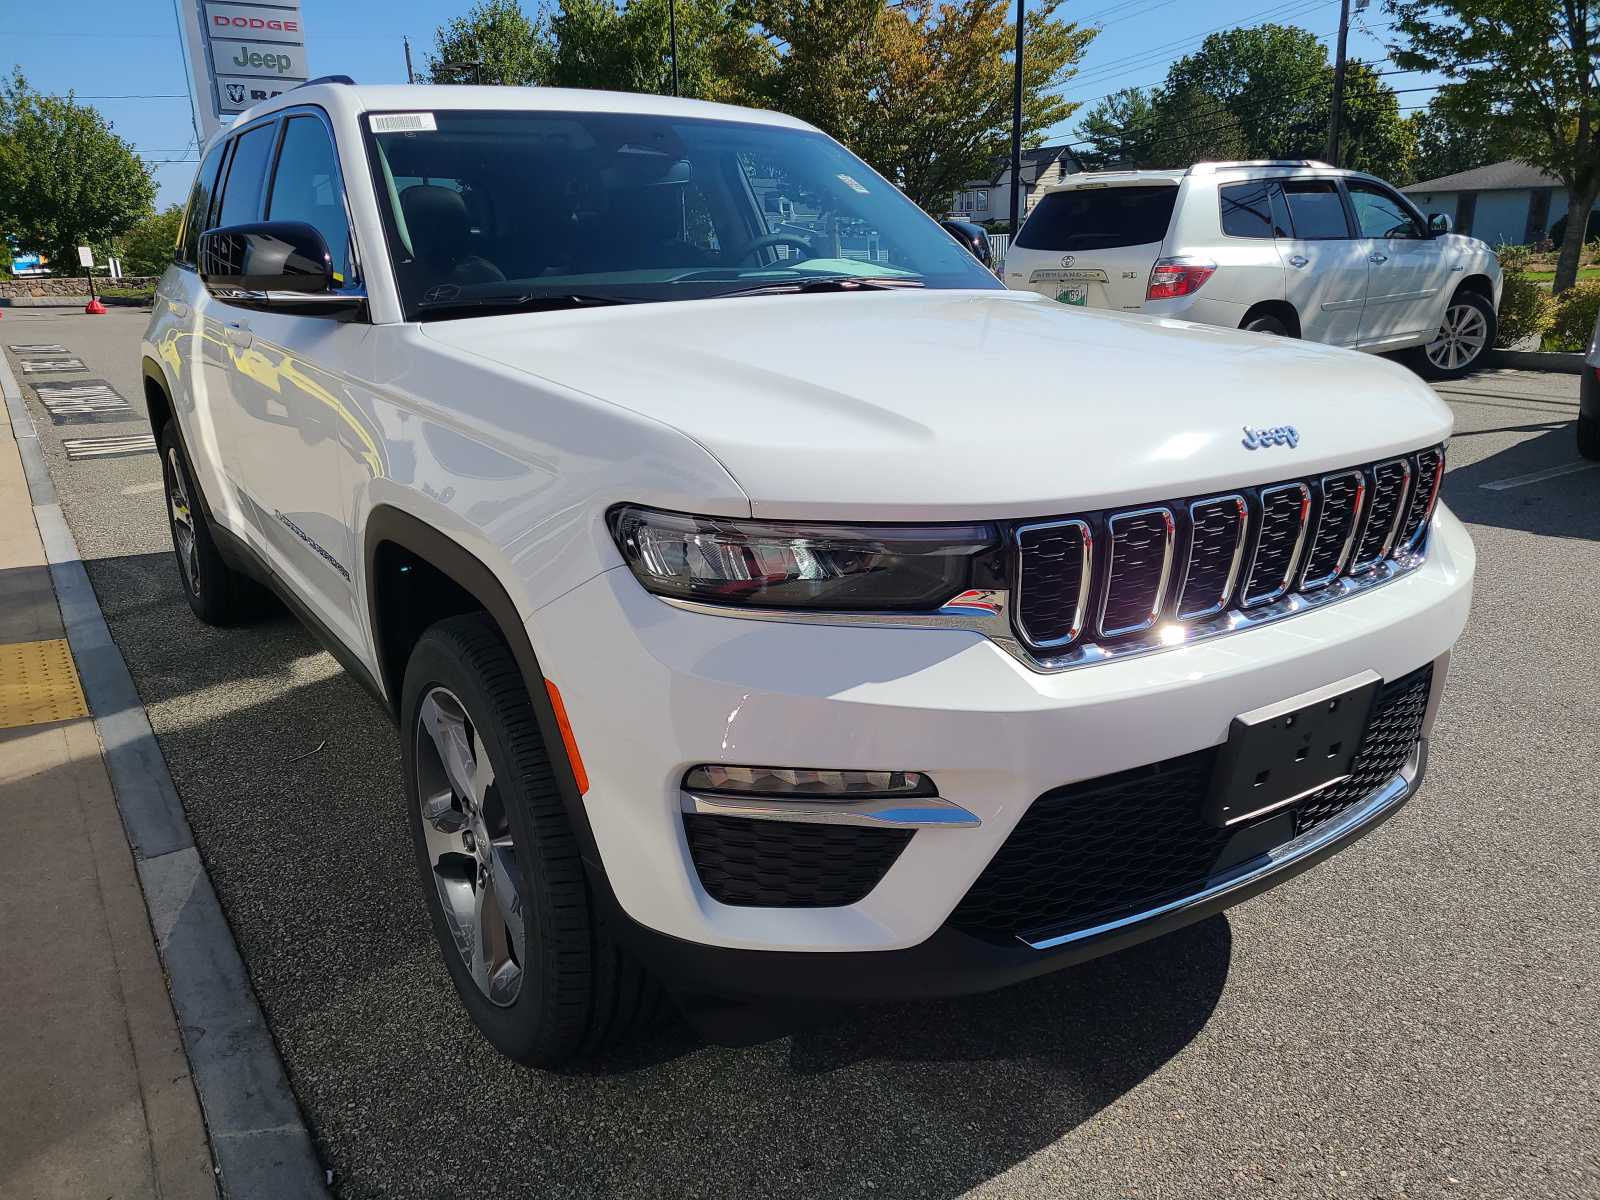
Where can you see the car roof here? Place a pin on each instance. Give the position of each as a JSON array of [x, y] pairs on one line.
[[354, 99]]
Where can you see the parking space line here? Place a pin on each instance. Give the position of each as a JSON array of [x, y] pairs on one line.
[[1571, 468]]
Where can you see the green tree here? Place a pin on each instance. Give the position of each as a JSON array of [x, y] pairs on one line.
[[1119, 130], [627, 48], [1193, 126], [1522, 71], [1446, 146], [65, 178], [146, 249], [496, 43]]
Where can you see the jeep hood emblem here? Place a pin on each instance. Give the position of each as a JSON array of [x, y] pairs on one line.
[[1277, 435]]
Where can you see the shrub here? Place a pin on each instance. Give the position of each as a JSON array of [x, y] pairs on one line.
[[1526, 309], [1576, 310]]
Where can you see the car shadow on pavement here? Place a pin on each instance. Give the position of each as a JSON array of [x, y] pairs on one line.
[[1565, 505], [290, 778]]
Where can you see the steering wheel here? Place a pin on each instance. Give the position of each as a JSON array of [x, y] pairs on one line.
[[807, 250]]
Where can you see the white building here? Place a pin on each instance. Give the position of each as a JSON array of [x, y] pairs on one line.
[[990, 199]]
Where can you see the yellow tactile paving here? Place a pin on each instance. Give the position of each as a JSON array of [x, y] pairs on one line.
[[39, 684]]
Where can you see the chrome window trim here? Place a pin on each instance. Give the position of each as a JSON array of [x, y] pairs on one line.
[[881, 812], [1378, 804], [1400, 509], [1111, 569], [1248, 601], [1432, 501], [1307, 583], [1086, 580], [1233, 568]]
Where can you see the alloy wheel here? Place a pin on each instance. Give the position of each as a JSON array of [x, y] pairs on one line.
[[1461, 338], [183, 532], [470, 846]]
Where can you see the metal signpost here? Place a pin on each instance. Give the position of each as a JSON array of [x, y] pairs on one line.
[[240, 54]]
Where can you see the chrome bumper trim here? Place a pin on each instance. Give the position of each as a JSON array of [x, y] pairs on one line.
[[912, 812], [1390, 795]]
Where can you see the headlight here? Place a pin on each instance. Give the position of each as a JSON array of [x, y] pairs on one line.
[[782, 565]]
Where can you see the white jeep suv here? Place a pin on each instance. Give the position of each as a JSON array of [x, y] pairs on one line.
[[1288, 248], [761, 624]]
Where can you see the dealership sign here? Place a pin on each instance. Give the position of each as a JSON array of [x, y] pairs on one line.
[[241, 54]]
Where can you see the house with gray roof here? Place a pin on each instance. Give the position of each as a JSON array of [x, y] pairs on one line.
[[1504, 202], [989, 198]]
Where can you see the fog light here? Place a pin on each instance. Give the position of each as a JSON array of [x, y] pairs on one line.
[[781, 782]]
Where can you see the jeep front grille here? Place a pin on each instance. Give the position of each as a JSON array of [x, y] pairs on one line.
[[1249, 551]]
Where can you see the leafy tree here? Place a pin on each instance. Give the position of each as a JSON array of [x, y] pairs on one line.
[[1192, 126], [65, 178], [146, 249], [1446, 146], [627, 48], [1523, 71], [507, 46], [1119, 129]]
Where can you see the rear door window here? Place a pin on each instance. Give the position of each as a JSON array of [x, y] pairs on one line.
[[1316, 209], [1253, 210], [241, 198], [1099, 218]]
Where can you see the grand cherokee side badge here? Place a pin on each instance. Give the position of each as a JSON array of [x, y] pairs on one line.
[[1277, 435]]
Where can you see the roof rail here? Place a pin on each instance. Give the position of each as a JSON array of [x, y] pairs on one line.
[[344, 79], [1200, 167]]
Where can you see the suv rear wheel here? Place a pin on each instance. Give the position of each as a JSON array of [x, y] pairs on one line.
[[1266, 323], [1464, 336], [504, 883], [217, 593]]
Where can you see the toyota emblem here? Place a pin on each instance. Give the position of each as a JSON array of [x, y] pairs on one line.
[[1067, 260]]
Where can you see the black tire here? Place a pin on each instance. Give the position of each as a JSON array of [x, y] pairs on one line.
[[216, 593], [1266, 323], [1589, 436], [577, 990], [1423, 358]]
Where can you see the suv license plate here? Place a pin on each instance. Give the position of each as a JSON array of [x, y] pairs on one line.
[[1283, 752], [1074, 295]]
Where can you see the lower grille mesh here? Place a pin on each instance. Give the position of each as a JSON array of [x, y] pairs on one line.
[[1093, 851], [789, 864]]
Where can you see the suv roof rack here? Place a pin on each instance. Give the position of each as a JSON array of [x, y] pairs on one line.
[[344, 79], [1258, 162]]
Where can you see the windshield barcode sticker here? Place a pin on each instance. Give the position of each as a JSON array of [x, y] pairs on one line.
[[403, 123]]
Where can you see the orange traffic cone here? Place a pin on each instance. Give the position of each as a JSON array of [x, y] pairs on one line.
[[94, 308]]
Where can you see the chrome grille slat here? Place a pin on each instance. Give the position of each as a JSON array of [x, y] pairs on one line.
[[1386, 499], [1139, 566], [1219, 525], [1279, 539], [1341, 496], [1246, 558]]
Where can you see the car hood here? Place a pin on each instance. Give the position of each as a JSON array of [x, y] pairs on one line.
[[931, 405]]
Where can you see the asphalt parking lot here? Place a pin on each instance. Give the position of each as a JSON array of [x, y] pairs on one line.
[[1416, 1018]]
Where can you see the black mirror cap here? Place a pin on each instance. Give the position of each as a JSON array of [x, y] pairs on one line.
[[269, 256], [974, 238], [1439, 223]]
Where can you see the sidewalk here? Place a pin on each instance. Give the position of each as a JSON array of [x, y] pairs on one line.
[[96, 1098]]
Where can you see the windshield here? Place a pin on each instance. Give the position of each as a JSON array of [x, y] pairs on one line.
[[497, 209]]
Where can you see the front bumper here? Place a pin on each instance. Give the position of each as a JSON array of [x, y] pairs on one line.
[[652, 690]]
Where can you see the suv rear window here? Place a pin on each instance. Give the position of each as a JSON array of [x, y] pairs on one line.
[[1099, 218]]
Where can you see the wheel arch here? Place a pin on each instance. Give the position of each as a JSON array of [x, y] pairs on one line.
[[1282, 309], [1476, 283], [157, 395]]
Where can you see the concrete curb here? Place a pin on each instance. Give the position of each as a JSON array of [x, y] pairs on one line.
[[258, 1137], [1562, 361]]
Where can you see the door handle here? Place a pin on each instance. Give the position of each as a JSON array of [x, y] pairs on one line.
[[1298, 260], [1375, 257], [238, 334]]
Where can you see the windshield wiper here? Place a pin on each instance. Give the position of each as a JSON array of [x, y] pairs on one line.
[[519, 302], [824, 283]]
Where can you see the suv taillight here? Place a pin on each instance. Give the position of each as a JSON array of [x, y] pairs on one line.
[[1174, 277]]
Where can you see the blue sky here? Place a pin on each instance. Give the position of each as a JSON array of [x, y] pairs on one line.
[[124, 55]]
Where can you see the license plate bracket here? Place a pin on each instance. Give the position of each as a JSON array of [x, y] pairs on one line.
[[1283, 752]]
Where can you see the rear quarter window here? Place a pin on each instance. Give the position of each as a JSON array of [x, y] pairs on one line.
[[1099, 218], [1253, 210]]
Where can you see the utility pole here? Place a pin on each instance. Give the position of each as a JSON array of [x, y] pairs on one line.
[[411, 76], [1016, 130], [672, 25], [1338, 83]]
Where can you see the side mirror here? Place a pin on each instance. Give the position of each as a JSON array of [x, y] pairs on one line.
[[1439, 223], [271, 264], [973, 238]]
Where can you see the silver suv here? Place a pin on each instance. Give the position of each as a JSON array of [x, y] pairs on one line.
[[1299, 249]]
